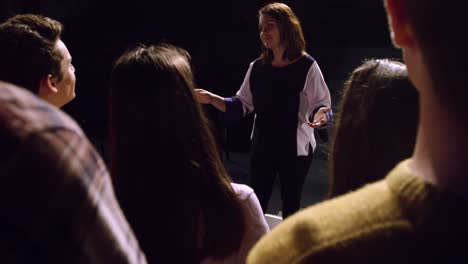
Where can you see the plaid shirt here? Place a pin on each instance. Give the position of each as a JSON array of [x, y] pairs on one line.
[[57, 204]]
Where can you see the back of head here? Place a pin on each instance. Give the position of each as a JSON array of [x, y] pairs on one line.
[[28, 51], [167, 171], [439, 27], [291, 35], [375, 127]]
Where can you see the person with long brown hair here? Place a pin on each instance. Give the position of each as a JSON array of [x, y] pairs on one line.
[[168, 175], [375, 125], [286, 90]]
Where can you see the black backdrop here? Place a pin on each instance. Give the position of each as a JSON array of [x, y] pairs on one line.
[[221, 36]]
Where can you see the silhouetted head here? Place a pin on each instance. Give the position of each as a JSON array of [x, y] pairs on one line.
[[375, 127], [166, 167], [439, 28]]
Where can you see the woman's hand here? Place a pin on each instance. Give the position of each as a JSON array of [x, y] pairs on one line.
[[203, 96], [320, 118]]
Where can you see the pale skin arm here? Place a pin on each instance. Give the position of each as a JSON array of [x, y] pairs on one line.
[[205, 97]]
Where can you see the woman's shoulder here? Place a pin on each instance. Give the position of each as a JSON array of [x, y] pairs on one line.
[[257, 61], [243, 191], [307, 57]]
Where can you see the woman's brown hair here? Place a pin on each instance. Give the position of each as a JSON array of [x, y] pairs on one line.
[[166, 168], [290, 30], [375, 127]]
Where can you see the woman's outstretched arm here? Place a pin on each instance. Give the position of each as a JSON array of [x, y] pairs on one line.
[[205, 97]]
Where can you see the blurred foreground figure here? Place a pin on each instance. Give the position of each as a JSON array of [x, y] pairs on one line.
[[166, 167], [56, 196], [376, 125]]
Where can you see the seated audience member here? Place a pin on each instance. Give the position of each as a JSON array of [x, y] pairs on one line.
[[56, 196], [375, 126], [33, 56], [418, 212], [168, 175]]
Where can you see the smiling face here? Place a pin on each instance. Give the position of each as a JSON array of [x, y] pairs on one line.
[[59, 88], [66, 85], [269, 32]]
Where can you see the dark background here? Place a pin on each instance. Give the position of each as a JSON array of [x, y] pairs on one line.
[[221, 36]]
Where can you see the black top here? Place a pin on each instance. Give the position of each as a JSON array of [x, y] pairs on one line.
[[275, 94]]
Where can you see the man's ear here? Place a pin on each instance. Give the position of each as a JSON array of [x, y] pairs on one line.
[[47, 85], [398, 20]]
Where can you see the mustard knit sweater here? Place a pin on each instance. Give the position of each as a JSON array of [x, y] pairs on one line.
[[400, 219]]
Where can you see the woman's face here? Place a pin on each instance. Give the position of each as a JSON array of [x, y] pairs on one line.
[[269, 32]]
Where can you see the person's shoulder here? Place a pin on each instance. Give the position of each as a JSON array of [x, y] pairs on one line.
[[307, 57], [336, 225], [243, 191], [32, 114], [307, 62], [257, 62]]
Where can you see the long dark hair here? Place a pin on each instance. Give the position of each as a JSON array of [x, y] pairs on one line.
[[376, 125], [166, 168], [290, 30]]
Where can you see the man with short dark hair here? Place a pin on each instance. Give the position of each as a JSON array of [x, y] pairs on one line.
[[419, 212], [33, 56], [57, 203]]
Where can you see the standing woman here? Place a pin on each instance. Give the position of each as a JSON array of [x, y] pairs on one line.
[[167, 172], [286, 90]]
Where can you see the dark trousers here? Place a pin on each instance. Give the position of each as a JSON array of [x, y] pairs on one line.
[[292, 171]]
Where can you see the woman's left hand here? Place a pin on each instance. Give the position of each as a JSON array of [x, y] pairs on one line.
[[320, 118]]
